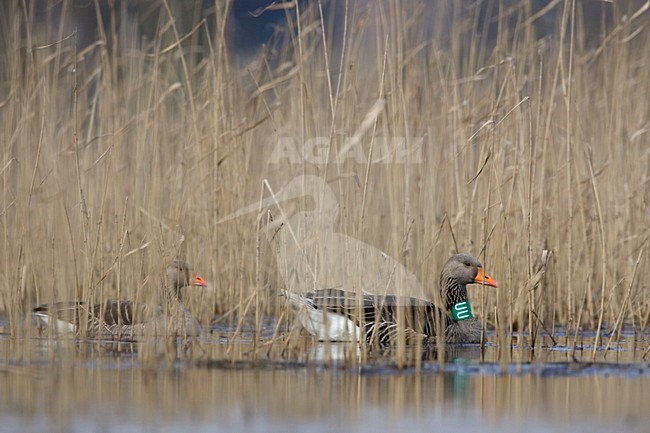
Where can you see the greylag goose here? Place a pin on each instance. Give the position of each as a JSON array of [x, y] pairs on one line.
[[339, 315], [127, 319]]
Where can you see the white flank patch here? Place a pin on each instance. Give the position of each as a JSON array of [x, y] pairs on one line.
[[323, 325], [60, 326]]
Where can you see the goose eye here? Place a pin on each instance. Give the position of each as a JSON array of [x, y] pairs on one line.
[[468, 264]]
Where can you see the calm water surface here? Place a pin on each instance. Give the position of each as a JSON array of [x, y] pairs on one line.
[[64, 385]]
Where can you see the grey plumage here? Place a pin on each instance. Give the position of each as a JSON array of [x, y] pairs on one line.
[[336, 314], [125, 319]]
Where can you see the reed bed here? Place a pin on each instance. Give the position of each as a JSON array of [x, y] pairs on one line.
[[125, 152]]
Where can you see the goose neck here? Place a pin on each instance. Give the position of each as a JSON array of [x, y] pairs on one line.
[[455, 297]]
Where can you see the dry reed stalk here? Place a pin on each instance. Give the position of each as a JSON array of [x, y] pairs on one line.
[[616, 330]]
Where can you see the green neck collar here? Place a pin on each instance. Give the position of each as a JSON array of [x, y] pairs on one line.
[[461, 311]]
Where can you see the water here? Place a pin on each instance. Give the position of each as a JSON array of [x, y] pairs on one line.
[[209, 385]]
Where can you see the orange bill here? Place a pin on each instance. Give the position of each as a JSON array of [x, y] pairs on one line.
[[199, 281], [483, 278]]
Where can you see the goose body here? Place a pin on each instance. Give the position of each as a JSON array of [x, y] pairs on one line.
[[338, 315], [126, 319]]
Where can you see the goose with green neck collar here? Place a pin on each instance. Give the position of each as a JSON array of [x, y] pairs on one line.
[[338, 315]]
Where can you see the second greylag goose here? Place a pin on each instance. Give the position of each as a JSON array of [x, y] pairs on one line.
[[339, 315], [127, 319]]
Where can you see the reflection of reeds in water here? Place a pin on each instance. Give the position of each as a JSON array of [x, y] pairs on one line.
[[122, 154], [111, 393]]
